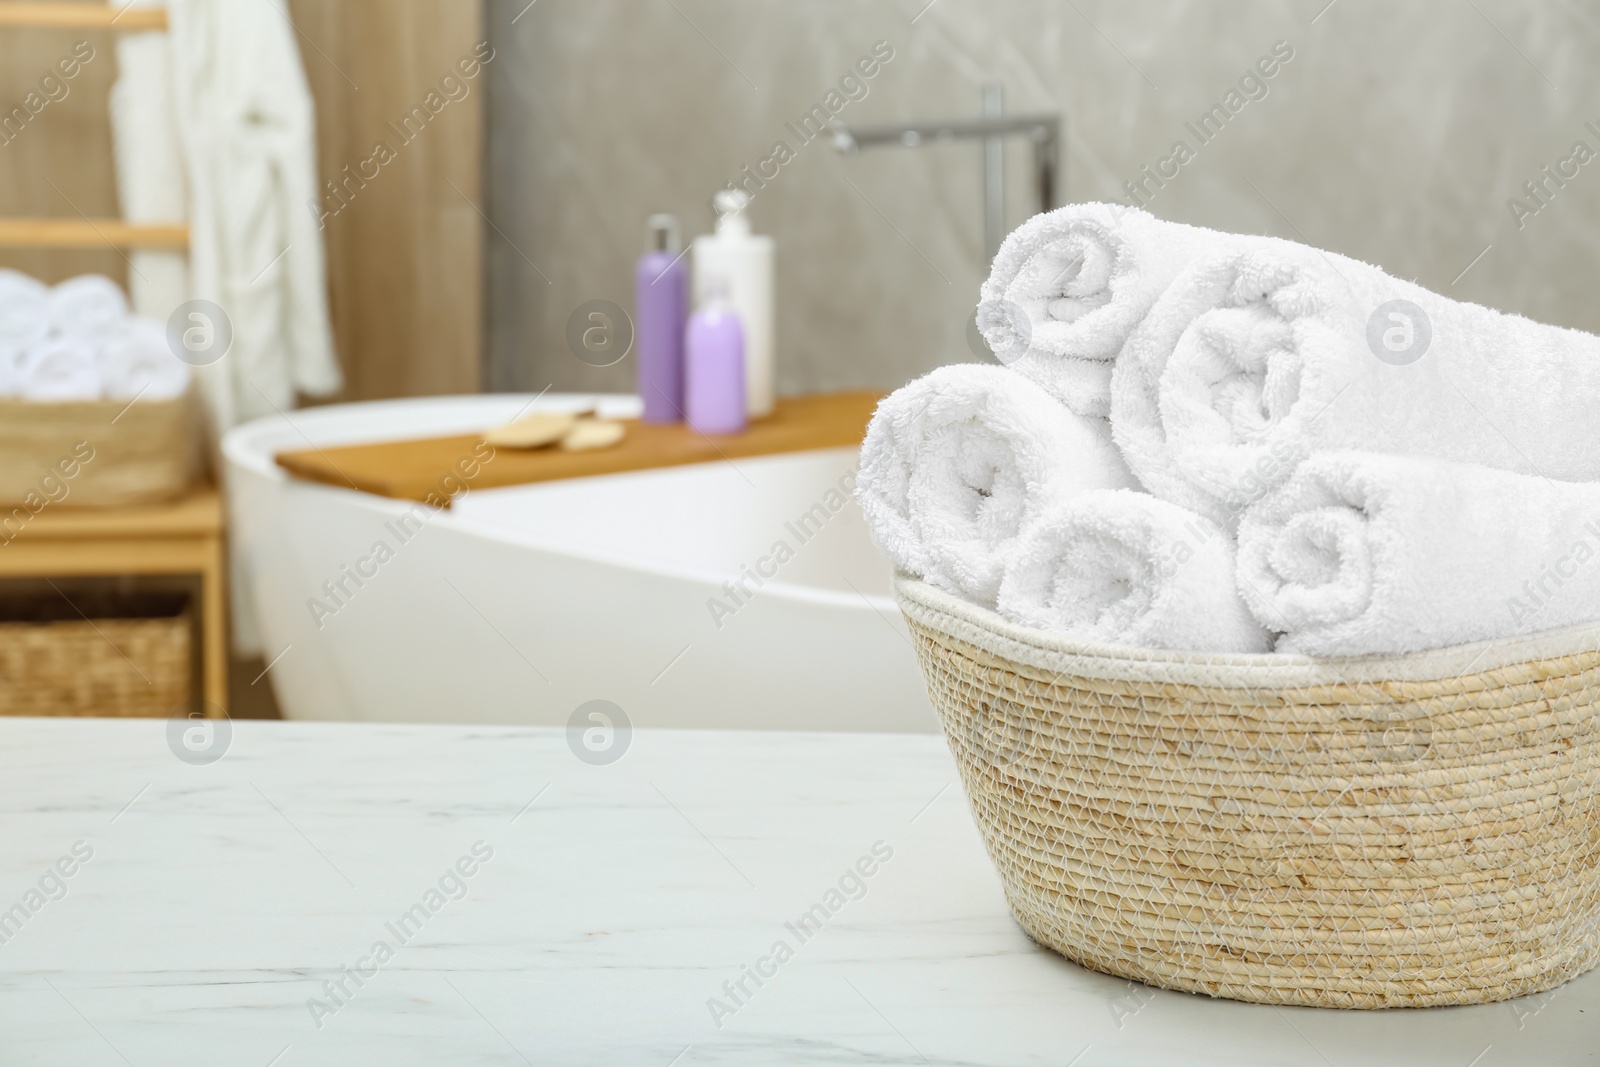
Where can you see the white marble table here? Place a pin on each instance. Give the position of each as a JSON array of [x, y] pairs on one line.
[[618, 901]]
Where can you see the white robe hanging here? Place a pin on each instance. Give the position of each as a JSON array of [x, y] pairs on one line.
[[212, 123]]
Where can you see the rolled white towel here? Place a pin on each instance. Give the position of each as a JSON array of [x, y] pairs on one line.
[[24, 311], [957, 461], [1255, 358], [1067, 288], [1365, 553], [136, 361], [59, 369], [89, 305], [1122, 567]]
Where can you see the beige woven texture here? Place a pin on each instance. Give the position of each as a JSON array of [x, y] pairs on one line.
[[144, 452], [1343, 842], [109, 667]]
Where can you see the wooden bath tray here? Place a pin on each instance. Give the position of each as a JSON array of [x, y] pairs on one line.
[[417, 469]]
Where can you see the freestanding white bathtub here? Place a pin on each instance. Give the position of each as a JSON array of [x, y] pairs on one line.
[[664, 592]]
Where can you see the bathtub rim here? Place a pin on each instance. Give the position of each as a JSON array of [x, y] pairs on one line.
[[247, 446]]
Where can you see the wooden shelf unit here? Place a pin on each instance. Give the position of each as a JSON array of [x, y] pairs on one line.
[[184, 536]]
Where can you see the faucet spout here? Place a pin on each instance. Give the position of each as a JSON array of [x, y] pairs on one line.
[[1042, 129]]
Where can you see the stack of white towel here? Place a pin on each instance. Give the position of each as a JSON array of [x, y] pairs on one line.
[[1203, 441], [77, 341]]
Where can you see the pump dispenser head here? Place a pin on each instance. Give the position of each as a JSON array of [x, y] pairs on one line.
[[729, 205], [664, 234]]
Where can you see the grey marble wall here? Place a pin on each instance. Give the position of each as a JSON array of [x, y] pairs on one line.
[[1397, 134]]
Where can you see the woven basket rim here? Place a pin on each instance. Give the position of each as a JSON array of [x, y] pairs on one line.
[[1046, 651], [98, 406]]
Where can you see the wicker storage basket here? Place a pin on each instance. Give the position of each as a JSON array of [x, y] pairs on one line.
[[1365, 833], [131, 658], [141, 453]]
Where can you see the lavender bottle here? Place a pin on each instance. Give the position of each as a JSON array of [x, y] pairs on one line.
[[714, 364], [661, 288]]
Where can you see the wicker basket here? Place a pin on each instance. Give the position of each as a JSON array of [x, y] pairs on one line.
[[1365, 833], [130, 658], [138, 453]]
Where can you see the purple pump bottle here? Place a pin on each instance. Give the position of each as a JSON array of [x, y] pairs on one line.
[[714, 364], [661, 288]]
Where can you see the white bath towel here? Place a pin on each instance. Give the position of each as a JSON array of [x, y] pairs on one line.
[[1365, 553], [247, 126], [1067, 288], [24, 311], [955, 463], [1255, 358], [1122, 567], [90, 305], [136, 361], [60, 368]]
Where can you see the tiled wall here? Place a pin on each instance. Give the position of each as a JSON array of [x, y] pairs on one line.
[[1396, 133]]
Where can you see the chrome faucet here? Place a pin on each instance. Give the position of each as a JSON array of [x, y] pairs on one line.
[[1044, 130]]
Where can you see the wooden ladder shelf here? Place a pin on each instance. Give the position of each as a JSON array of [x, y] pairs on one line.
[[91, 233], [184, 536], [86, 233]]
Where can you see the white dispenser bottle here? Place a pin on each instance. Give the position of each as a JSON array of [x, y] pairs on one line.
[[744, 259]]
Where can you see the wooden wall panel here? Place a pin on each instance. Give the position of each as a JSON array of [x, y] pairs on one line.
[[405, 253]]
